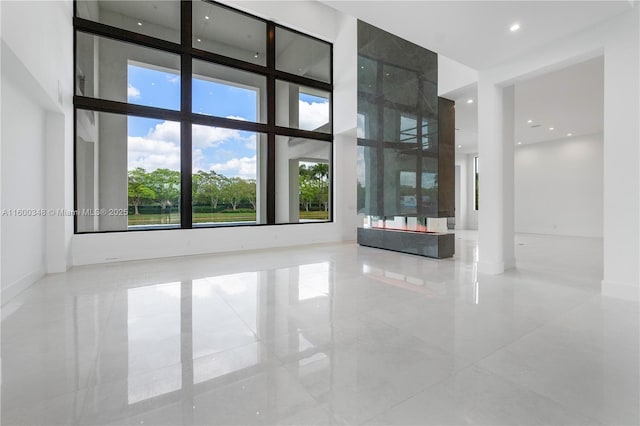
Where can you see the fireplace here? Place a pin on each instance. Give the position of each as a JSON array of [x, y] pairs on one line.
[[422, 236]]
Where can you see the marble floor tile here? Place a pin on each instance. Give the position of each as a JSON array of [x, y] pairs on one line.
[[330, 334]]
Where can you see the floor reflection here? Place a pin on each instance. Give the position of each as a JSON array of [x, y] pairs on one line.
[[184, 334]]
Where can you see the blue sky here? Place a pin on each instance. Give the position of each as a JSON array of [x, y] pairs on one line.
[[155, 144]]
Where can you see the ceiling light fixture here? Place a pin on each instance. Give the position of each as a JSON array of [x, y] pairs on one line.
[[519, 143], [552, 128], [198, 40], [139, 24], [256, 55], [569, 134], [514, 27], [459, 146], [529, 121], [469, 101], [206, 17]]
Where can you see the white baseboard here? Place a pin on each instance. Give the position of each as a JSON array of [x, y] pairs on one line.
[[619, 290], [12, 290]]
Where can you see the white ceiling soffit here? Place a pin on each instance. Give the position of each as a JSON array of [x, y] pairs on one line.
[[571, 101], [476, 33]]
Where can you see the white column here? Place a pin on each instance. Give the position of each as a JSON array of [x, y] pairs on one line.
[[508, 164], [495, 157], [621, 159]]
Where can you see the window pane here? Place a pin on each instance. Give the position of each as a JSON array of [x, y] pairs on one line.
[[302, 55], [229, 176], [159, 19], [303, 180], [127, 172], [226, 92], [229, 33], [301, 107], [124, 72]]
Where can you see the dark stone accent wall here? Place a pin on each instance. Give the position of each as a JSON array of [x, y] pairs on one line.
[[406, 163], [398, 128], [439, 246], [446, 157]]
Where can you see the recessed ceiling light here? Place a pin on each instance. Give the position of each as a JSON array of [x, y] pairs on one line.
[[469, 101], [198, 40], [519, 143], [139, 24], [552, 128], [569, 134], [459, 146], [514, 27], [206, 17], [529, 121], [256, 55], [361, 67]]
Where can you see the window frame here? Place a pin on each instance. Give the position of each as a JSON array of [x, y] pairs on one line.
[[187, 118]]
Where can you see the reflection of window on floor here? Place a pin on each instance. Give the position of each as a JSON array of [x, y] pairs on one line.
[[154, 364], [476, 205], [313, 280]]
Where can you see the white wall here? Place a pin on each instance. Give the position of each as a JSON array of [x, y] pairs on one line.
[[619, 40], [37, 116], [468, 216], [23, 238], [559, 187], [453, 76], [312, 18]]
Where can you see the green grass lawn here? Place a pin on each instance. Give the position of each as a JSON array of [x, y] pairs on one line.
[[174, 218]]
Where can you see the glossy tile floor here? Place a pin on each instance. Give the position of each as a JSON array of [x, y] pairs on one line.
[[325, 334]]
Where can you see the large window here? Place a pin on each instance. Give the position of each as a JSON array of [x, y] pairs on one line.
[[192, 114]]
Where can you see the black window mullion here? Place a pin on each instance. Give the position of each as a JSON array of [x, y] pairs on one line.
[[271, 123], [186, 219], [116, 107], [123, 35], [302, 81]]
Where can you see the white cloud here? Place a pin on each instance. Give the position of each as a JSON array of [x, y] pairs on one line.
[[133, 92], [244, 167], [152, 154], [313, 115], [236, 117], [251, 142], [160, 148], [173, 80], [209, 137]]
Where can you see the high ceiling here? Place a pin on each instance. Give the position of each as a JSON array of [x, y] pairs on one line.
[[476, 33], [569, 100]]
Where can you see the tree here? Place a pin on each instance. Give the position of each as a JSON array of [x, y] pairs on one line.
[[249, 191], [314, 185], [166, 184], [308, 190], [233, 191], [139, 188], [209, 187]]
